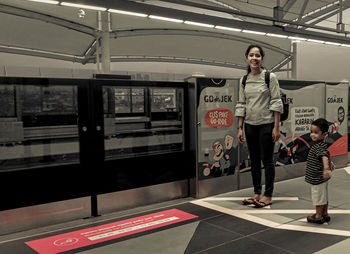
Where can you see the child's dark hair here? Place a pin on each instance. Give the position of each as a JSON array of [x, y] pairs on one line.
[[262, 53], [322, 124]]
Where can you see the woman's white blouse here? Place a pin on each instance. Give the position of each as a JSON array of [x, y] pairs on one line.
[[256, 102]]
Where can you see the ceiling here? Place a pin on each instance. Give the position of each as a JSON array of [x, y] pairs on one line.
[[70, 33]]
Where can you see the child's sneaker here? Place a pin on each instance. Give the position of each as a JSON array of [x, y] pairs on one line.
[[326, 218], [313, 219]]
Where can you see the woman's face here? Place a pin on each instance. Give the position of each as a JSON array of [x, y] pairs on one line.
[[254, 58]]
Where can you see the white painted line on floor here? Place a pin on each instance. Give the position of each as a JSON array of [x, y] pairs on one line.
[[242, 198], [291, 211], [246, 214], [338, 248], [238, 213], [347, 169], [319, 229]]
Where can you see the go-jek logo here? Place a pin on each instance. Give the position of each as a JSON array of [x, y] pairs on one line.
[[216, 98]]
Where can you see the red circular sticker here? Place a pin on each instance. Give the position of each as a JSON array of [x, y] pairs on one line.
[[219, 117]]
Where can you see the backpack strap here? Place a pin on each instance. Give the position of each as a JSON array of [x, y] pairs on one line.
[[244, 80], [267, 79]]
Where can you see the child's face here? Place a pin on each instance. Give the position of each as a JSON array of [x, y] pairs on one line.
[[316, 134]]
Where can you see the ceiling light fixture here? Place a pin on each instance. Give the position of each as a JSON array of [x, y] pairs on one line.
[[297, 38], [253, 32], [277, 35], [198, 24], [293, 38], [45, 1], [91, 7], [128, 13], [166, 19], [316, 41], [332, 43], [228, 28]]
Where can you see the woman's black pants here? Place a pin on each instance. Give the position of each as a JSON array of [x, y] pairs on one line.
[[261, 146]]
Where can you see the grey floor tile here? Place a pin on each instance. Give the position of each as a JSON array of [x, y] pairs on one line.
[[292, 204], [345, 205], [278, 218], [295, 188], [339, 197], [209, 236], [340, 175], [245, 246], [297, 241], [16, 247], [230, 204], [237, 225]]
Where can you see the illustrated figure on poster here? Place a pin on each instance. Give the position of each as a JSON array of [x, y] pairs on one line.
[[293, 149], [230, 153], [334, 127], [341, 114], [218, 164]]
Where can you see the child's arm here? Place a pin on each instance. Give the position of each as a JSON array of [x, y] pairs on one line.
[[331, 165], [326, 168]]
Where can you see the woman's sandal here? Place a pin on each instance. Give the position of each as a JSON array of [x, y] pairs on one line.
[[261, 204], [249, 201]]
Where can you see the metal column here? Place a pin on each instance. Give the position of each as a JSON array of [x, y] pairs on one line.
[[294, 60], [104, 41]]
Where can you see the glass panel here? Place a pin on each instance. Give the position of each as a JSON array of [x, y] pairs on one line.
[[58, 100], [140, 132], [122, 100], [7, 101], [40, 127], [138, 100], [163, 100], [30, 97]]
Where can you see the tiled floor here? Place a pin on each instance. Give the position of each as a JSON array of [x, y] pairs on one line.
[[223, 225]]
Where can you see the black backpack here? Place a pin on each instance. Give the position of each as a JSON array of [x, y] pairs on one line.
[[284, 115]]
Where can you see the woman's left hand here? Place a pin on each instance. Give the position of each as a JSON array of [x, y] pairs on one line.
[[276, 134]]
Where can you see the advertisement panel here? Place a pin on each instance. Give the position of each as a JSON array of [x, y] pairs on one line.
[[306, 104], [305, 101], [336, 115], [217, 143]]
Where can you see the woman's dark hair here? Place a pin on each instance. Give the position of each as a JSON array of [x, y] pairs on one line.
[[322, 124], [262, 53]]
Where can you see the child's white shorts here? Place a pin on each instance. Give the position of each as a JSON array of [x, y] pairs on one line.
[[319, 194]]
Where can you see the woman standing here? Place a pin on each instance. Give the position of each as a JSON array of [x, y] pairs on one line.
[[259, 109]]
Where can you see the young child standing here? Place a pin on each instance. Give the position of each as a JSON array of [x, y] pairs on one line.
[[318, 171]]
